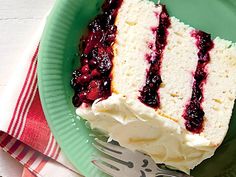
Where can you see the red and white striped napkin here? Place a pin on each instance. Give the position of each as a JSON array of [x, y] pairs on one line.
[[24, 132]]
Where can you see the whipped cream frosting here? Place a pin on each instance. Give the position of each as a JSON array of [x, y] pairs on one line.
[[139, 127]]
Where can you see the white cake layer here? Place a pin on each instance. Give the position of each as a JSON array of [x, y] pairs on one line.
[[134, 24], [161, 133], [178, 65], [219, 90]]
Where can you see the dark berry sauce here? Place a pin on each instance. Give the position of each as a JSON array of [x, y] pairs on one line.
[[92, 80], [194, 113], [149, 93]]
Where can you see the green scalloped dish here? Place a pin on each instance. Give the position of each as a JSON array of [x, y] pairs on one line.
[[58, 57]]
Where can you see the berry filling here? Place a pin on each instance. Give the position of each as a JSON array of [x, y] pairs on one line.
[[149, 93], [194, 112], [92, 80]]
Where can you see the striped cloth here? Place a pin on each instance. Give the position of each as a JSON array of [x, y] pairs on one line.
[[24, 132]]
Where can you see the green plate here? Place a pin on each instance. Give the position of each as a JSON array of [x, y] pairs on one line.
[[58, 57]]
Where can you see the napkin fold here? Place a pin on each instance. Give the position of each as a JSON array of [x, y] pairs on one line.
[[24, 132]]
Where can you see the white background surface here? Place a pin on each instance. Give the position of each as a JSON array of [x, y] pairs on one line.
[[19, 20]]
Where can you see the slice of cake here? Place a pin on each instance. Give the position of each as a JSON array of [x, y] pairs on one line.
[[154, 84]]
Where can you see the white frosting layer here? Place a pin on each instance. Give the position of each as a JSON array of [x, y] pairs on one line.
[[139, 127]]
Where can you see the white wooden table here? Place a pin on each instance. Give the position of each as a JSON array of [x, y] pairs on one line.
[[19, 19]]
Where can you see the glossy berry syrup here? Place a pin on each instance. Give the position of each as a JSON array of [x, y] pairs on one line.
[[92, 80], [149, 93], [194, 112]]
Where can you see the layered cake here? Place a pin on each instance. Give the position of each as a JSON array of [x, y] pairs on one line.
[[154, 84]]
